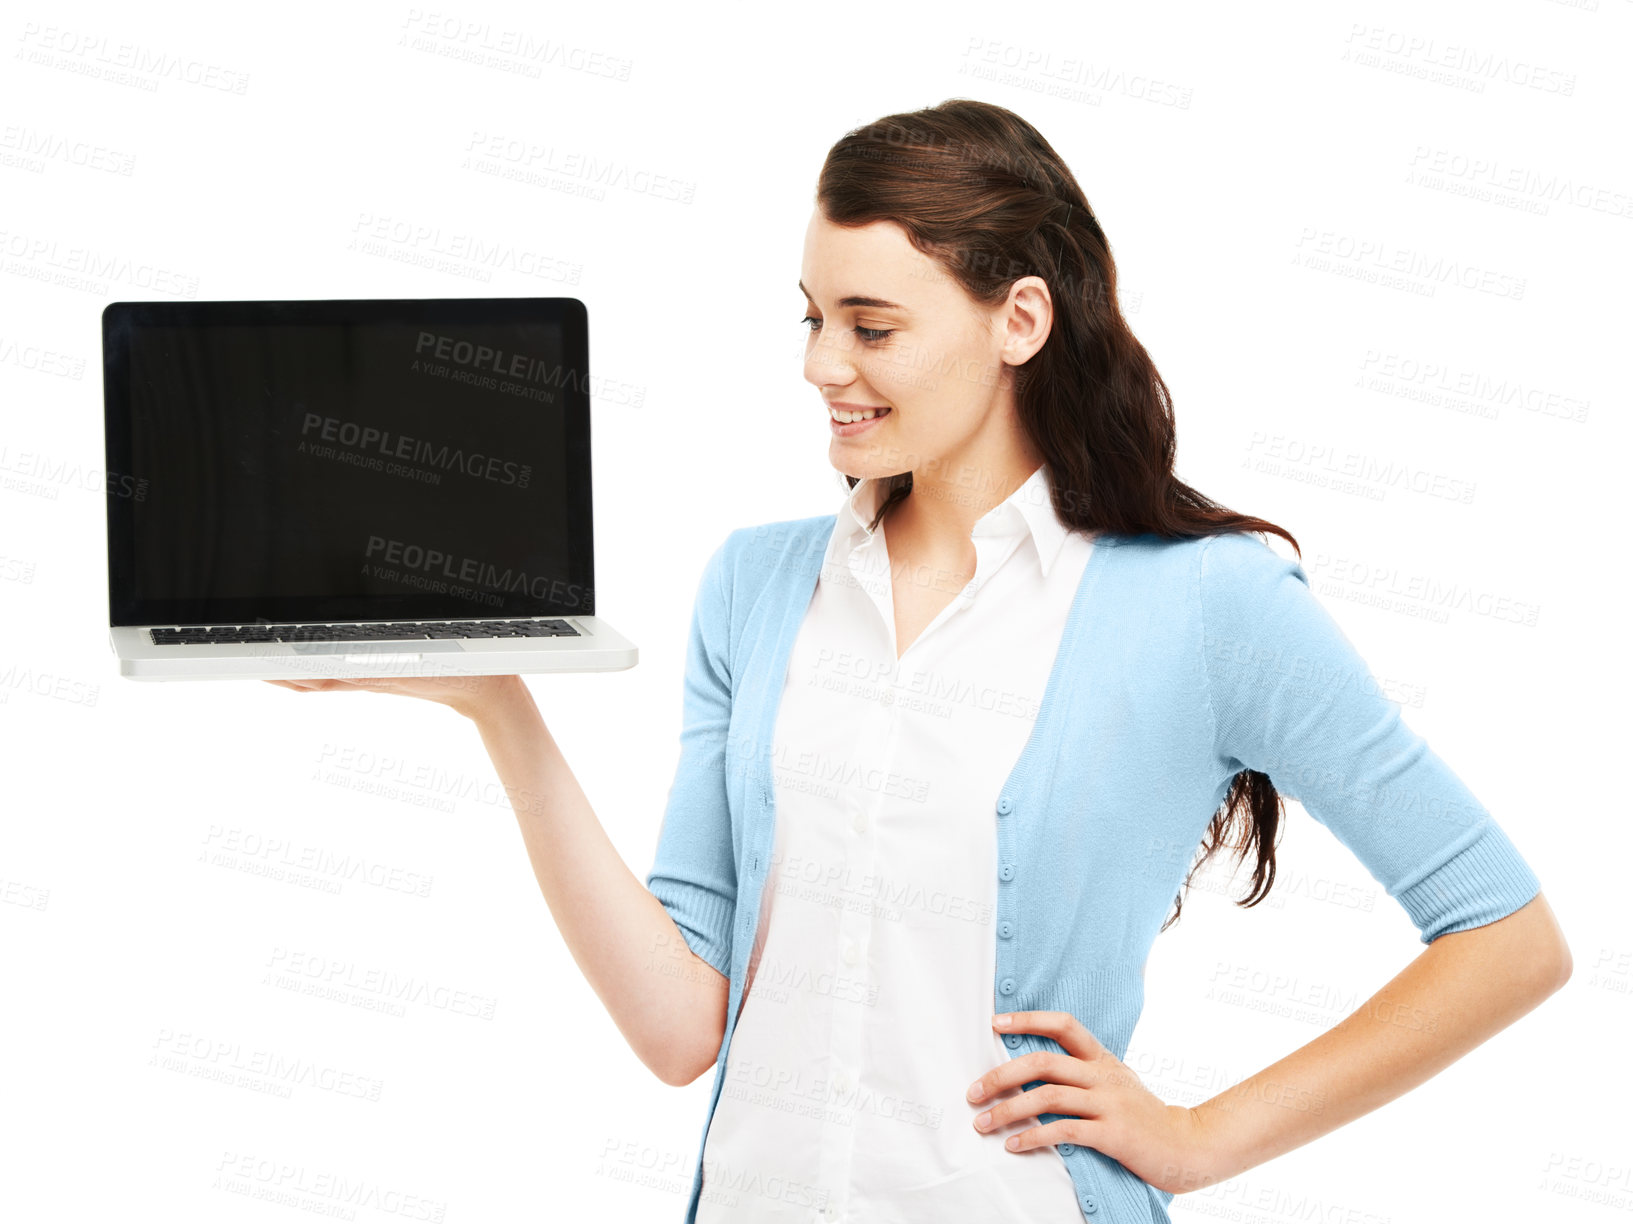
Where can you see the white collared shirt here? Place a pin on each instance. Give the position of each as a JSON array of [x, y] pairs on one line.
[[870, 991]]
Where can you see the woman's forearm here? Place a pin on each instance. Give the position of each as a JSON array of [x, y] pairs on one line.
[[669, 1004], [1462, 989]]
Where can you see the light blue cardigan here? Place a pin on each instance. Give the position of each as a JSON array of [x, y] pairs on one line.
[[1183, 662]]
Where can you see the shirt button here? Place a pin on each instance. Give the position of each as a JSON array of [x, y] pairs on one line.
[[1089, 1205], [887, 698], [860, 822], [1007, 986], [1006, 872], [1005, 806], [851, 954], [842, 1083]]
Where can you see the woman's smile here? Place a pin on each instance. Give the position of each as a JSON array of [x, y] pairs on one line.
[[847, 420]]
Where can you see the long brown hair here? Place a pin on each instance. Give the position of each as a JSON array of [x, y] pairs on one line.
[[981, 192]]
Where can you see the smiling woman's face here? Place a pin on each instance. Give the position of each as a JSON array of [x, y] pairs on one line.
[[890, 330]]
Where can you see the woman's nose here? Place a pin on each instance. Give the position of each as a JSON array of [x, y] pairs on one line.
[[828, 363]]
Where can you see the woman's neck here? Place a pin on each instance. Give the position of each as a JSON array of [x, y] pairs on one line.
[[933, 524]]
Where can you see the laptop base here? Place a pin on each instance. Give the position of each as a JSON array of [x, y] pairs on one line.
[[595, 647]]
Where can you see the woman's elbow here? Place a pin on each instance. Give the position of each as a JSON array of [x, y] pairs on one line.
[[686, 1076], [1563, 965], [1546, 951], [676, 1069], [691, 1043], [1556, 953]]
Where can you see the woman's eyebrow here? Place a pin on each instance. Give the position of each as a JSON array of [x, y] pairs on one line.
[[875, 303]]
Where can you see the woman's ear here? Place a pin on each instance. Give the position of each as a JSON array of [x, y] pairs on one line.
[[1027, 318]]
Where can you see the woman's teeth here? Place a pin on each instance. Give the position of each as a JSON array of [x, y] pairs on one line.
[[845, 418]]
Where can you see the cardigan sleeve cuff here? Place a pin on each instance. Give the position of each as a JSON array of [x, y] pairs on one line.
[[1480, 878], [704, 918]]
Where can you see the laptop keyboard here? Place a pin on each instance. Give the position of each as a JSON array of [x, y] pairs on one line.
[[397, 631]]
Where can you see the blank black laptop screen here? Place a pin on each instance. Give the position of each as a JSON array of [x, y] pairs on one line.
[[347, 460]]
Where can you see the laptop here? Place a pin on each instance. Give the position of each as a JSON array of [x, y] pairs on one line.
[[347, 489]]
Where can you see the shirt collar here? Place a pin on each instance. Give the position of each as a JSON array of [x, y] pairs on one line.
[[1029, 509]]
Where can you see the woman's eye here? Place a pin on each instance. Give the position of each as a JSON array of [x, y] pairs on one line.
[[871, 334]]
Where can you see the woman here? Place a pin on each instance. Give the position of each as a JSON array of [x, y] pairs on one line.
[[948, 752]]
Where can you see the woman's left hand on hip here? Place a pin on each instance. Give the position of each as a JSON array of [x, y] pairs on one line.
[[1113, 1112]]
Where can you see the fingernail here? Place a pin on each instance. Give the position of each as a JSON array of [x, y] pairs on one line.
[[1001, 1021], [983, 1121], [974, 1092]]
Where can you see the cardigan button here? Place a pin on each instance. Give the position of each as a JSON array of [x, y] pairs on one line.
[[1006, 872], [1012, 1040], [1066, 1149], [1006, 930], [1007, 986], [1005, 806], [1089, 1204]]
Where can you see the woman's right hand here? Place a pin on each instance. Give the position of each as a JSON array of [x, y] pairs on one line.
[[468, 695]]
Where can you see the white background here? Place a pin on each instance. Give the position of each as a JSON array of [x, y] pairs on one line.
[[1450, 455]]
